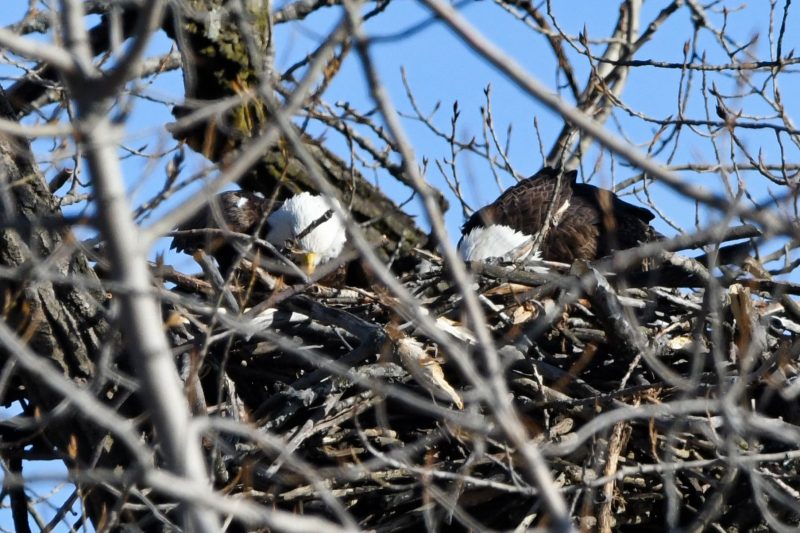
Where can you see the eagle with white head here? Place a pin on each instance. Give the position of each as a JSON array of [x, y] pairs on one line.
[[583, 222], [303, 226]]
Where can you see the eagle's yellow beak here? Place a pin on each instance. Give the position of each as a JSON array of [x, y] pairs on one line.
[[308, 262]]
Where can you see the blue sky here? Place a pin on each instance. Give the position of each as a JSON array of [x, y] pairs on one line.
[[440, 69]]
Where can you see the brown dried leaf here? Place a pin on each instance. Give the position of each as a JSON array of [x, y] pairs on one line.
[[425, 370]]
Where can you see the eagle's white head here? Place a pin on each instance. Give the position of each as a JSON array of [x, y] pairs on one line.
[[289, 228], [496, 241]]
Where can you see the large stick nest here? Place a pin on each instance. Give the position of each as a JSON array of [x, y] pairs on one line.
[[654, 407]]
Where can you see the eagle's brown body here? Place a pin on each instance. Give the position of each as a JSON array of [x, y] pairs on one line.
[[587, 222], [240, 212]]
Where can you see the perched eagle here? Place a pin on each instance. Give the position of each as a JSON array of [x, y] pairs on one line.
[[586, 222], [302, 226]]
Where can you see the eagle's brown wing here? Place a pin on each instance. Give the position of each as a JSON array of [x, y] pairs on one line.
[[524, 206], [597, 223], [620, 225], [577, 234]]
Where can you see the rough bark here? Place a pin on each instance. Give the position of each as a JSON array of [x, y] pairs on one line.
[[61, 314]]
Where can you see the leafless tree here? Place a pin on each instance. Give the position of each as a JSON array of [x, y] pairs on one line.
[[418, 392]]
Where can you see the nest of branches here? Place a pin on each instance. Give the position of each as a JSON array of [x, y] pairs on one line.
[[650, 407]]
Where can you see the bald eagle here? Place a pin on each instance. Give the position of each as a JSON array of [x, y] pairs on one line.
[[308, 229], [303, 227], [586, 222]]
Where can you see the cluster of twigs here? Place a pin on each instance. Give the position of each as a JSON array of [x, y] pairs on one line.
[[653, 407]]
